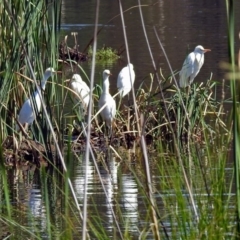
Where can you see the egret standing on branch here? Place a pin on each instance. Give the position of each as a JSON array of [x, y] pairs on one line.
[[192, 66], [109, 111], [82, 91], [27, 113]]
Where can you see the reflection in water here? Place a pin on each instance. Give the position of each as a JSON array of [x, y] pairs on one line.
[[96, 195], [181, 25], [81, 26], [35, 203], [37, 209], [78, 180], [28, 199], [129, 199], [122, 197], [126, 189], [110, 184]]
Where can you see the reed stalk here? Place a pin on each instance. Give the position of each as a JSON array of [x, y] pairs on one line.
[[85, 204], [235, 89], [193, 194]]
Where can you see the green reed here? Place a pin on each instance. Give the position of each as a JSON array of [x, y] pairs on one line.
[[190, 154], [26, 37], [235, 88], [29, 42]]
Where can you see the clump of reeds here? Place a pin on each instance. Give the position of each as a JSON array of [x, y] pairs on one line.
[[192, 197], [104, 53]]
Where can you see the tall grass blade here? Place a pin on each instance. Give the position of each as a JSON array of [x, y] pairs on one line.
[[103, 186], [149, 182], [84, 232], [235, 89], [128, 59], [177, 148], [30, 66]]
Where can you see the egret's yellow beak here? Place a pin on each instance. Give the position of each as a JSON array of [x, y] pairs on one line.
[[207, 50]]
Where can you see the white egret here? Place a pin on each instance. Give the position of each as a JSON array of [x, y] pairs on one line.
[[192, 66], [27, 113], [81, 89], [125, 80], [109, 111]]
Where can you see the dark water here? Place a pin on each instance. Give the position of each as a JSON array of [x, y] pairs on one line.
[[181, 25]]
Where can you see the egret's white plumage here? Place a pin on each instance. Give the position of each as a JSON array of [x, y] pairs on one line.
[[81, 89], [125, 80], [27, 112], [192, 66], [109, 111]]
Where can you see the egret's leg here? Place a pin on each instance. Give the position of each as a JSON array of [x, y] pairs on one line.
[[105, 131], [110, 133]]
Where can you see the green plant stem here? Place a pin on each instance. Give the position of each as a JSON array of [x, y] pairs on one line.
[[236, 108]]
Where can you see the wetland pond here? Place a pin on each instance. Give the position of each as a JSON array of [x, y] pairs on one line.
[[39, 196]]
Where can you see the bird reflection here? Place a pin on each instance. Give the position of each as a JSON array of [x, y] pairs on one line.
[[129, 198], [124, 189], [111, 186], [79, 179]]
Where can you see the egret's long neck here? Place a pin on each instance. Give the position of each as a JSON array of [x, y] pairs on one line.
[[201, 56], [43, 84], [44, 80], [106, 85]]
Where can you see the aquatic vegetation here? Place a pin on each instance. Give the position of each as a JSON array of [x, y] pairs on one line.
[[175, 145], [104, 54]]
